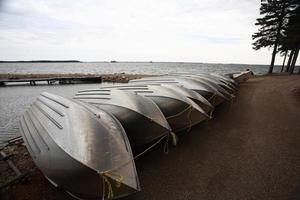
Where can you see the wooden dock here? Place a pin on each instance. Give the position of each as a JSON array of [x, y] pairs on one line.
[[54, 80]]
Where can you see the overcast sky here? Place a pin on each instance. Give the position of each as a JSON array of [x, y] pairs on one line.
[[217, 31]]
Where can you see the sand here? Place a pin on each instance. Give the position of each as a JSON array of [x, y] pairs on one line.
[[249, 150]]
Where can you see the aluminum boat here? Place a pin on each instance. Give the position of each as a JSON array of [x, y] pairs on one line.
[[141, 117], [84, 151], [208, 91], [180, 111]]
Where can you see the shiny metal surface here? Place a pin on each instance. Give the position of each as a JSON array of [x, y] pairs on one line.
[[216, 83], [212, 83], [225, 78], [230, 82], [196, 97], [73, 145], [180, 111], [224, 83], [228, 85], [141, 117], [189, 84], [242, 76], [206, 90]]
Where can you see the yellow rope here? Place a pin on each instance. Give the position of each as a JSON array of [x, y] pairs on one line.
[[119, 179], [105, 174], [211, 113], [174, 138], [105, 180]]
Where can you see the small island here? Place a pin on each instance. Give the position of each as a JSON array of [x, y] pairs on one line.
[[41, 61]]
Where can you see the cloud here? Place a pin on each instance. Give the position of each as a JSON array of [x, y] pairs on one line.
[[165, 30]]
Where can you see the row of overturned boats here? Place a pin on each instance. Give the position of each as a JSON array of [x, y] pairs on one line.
[[87, 145]]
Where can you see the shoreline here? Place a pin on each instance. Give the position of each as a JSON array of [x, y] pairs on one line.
[[115, 78], [248, 150], [112, 78]]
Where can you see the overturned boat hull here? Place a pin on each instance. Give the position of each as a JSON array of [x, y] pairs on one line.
[[180, 112], [194, 96], [140, 117], [208, 91], [81, 145], [219, 86], [79, 150], [242, 76], [222, 82]]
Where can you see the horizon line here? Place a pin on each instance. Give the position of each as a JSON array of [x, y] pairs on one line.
[[118, 61]]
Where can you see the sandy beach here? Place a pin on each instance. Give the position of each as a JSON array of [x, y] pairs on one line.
[[249, 150]]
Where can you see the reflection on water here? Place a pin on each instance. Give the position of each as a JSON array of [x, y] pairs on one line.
[[14, 100]]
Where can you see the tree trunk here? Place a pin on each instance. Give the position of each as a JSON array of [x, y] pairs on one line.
[[294, 60], [290, 60], [285, 54], [273, 58], [280, 18]]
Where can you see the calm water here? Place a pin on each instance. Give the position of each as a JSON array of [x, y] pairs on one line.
[[127, 67], [15, 99]]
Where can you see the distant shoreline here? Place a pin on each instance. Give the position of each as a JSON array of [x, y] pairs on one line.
[[115, 78], [113, 62], [41, 61]]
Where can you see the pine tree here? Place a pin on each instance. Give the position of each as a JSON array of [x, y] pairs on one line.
[[293, 33], [272, 24]]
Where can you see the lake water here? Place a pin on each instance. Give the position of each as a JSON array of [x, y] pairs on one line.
[[14, 100], [128, 67]]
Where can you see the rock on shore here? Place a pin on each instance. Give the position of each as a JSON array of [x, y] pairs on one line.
[[117, 77]]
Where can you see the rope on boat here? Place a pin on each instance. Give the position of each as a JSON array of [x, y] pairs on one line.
[[105, 175], [211, 113], [213, 102], [176, 115], [174, 138], [105, 180], [189, 127], [166, 145], [190, 108]]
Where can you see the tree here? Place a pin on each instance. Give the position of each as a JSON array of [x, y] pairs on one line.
[[293, 33], [285, 46], [274, 21], [290, 60], [285, 55]]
